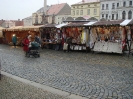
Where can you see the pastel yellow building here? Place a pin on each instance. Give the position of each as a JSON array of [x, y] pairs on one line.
[[86, 9]]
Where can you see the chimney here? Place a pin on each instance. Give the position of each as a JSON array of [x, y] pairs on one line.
[[83, 1], [45, 6]]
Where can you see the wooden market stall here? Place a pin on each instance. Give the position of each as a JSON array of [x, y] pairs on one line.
[[108, 36], [1, 34], [79, 34], [21, 32], [50, 36]]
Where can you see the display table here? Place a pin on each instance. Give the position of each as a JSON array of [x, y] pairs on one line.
[[110, 47], [50, 45], [75, 46]]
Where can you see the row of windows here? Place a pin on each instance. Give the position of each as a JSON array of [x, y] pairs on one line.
[[123, 15], [81, 12], [113, 5], [82, 6]]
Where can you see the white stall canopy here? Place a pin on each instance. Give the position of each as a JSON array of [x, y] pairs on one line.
[[61, 25], [89, 23], [125, 22]]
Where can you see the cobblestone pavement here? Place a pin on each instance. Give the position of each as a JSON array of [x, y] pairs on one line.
[[13, 89], [95, 76]]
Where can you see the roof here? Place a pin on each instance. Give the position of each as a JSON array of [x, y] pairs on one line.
[[1, 21], [114, 22], [17, 28], [86, 1], [75, 24], [89, 23], [61, 25], [125, 22], [48, 25], [131, 22], [55, 9]]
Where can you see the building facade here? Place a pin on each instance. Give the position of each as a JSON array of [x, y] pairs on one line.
[[28, 21], [116, 9], [54, 14], [86, 9]]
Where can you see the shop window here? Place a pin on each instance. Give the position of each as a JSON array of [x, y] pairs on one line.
[[95, 11], [88, 11], [81, 12], [112, 16], [123, 15], [130, 15], [113, 5], [102, 6], [117, 4], [124, 3], [107, 6], [130, 3], [77, 12], [106, 16]]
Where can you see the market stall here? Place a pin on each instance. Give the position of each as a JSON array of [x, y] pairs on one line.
[[108, 36], [50, 36], [79, 34], [1, 34], [21, 32], [130, 36]]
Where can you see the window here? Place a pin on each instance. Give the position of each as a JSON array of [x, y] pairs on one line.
[[95, 4], [88, 11], [73, 7], [130, 15], [117, 4], [106, 16], [130, 3], [102, 15], [77, 13], [112, 16], [95, 11], [116, 16], [124, 3], [88, 5], [102, 6], [73, 12], [113, 5], [81, 12], [107, 7], [123, 15]]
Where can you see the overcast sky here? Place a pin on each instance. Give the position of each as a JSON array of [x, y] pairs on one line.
[[19, 9]]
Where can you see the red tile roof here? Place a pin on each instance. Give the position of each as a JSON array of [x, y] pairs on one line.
[[55, 9]]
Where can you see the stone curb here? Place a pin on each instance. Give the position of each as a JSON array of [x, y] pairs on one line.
[[44, 87]]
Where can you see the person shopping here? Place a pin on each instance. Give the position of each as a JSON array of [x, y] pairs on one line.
[[26, 45]]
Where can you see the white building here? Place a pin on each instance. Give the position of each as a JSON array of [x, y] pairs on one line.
[[28, 21], [116, 9]]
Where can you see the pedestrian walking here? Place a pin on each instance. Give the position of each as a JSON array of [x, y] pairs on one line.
[[14, 40]]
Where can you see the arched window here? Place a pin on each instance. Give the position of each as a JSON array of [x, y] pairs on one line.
[[130, 15], [123, 15]]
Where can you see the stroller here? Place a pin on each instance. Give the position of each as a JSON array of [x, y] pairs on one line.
[[34, 50]]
